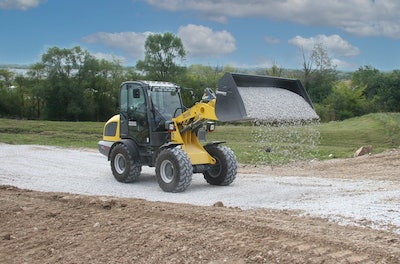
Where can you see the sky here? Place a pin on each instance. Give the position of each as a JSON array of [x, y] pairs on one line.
[[242, 34]]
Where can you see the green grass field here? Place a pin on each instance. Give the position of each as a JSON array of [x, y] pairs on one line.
[[251, 144], [65, 134]]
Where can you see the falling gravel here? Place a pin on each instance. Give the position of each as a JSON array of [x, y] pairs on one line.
[[373, 203], [270, 104], [279, 116]]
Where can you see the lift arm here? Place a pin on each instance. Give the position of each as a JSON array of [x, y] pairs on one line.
[[185, 127]]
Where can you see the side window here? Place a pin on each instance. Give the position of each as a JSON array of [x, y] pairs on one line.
[[123, 99], [137, 101]]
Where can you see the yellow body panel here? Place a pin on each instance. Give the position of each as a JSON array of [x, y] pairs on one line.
[[199, 111], [195, 151], [188, 139], [107, 132]]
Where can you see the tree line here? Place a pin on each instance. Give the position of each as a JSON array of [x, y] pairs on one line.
[[73, 85]]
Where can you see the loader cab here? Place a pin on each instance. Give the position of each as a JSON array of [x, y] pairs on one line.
[[145, 107]]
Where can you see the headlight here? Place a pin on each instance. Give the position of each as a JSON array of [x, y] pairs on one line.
[[169, 125], [210, 126]]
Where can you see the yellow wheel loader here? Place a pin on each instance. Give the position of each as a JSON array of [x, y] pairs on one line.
[[154, 129]]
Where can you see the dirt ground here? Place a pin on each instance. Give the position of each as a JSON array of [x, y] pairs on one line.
[[39, 227]]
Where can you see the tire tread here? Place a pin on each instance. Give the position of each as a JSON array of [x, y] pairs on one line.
[[135, 167]]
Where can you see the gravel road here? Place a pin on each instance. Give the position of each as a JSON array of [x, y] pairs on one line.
[[364, 202]]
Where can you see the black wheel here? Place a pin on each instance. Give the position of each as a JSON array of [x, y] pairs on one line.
[[123, 165], [225, 170], [173, 170]]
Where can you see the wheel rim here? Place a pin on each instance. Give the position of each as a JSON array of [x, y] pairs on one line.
[[120, 163], [167, 171], [215, 170]]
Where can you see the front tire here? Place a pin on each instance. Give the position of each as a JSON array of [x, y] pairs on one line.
[[225, 170], [173, 170], [124, 166]]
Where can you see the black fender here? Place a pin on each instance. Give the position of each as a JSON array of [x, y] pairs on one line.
[[164, 146], [214, 143], [132, 146], [169, 145]]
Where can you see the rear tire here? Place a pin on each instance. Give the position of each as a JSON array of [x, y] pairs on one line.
[[173, 170], [124, 166], [225, 170]]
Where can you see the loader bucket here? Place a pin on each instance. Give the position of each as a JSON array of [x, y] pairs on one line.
[[253, 97]]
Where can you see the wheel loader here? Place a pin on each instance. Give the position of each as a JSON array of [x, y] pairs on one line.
[[154, 129]]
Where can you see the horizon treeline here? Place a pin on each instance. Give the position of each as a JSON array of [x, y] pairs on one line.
[[73, 85]]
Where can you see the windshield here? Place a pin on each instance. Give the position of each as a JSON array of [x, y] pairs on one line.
[[166, 101]]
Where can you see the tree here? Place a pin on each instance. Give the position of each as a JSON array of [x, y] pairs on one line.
[[389, 93], [162, 51], [101, 81], [275, 70], [342, 103], [307, 69], [22, 90], [64, 98], [319, 73], [6, 78], [321, 59], [198, 77], [8, 98], [369, 77], [37, 77], [382, 89], [71, 84]]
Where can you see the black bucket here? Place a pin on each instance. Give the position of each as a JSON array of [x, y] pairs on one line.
[[247, 97]]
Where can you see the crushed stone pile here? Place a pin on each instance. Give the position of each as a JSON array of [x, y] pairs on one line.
[[268, 104]]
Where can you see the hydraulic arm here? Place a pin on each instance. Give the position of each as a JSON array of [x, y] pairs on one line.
[[185, 127]]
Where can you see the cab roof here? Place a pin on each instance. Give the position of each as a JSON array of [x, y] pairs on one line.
[[157, 83]]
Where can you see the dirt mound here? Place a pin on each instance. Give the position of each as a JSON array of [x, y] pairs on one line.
[[63, 228], [49, 227], [383, 166]]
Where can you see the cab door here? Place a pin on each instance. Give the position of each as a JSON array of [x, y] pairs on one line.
[[133, 113]]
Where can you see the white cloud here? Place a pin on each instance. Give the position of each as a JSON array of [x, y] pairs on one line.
[[261, 63], [334, 43], [132, 43], [360, 17], [20, 4], [201, 41], [344, 65], [109, 57], [336, 46]]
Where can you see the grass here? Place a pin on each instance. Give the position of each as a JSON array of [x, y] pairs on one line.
[[342, 139], [337, 139], [270, 144], [251, 144], [64, 134]]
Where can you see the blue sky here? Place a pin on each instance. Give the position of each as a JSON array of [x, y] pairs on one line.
[[252, 33]]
